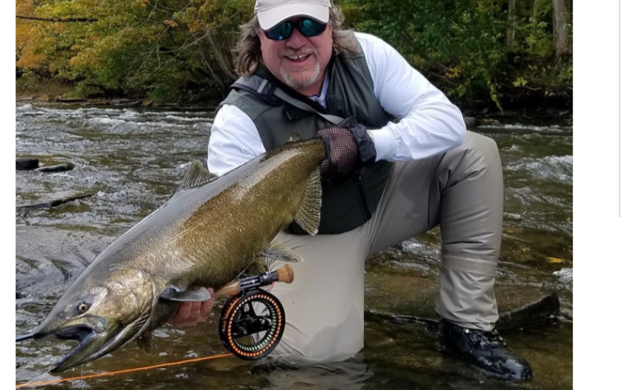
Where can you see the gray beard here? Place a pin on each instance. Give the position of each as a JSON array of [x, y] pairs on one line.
[[310, 80]]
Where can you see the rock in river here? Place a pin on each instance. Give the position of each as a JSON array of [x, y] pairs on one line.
[[56, 168], [26, 164]]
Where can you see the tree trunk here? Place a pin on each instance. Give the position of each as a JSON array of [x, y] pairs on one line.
[[562, 42], [217, 53], [511, 22]]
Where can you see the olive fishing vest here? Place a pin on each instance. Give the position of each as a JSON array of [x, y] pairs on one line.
[[344, 205]]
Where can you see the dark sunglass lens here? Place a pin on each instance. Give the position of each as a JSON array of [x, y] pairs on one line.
[[280, 31], [310, 27]]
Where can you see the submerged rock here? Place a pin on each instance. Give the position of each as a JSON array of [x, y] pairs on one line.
[[55, 202], [532, 314], [56, 168]]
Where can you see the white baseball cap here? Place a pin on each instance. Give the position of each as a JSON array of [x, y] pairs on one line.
[[272, 12]]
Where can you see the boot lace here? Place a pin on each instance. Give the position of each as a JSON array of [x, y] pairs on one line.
[[483, 339]]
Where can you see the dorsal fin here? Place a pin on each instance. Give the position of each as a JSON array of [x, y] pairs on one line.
[[197, 176], [307, 216]]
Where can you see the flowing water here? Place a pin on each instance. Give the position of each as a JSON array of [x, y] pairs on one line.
[[129, 160]]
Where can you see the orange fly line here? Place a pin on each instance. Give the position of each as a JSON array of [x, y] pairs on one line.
[[32, 384]]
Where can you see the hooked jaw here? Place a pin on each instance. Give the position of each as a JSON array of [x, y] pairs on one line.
[[93, 342], [101, 315]]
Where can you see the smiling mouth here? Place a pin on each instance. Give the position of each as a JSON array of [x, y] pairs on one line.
[[298, 58]]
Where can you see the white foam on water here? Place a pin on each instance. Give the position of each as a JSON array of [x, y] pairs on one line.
[[519, 126], [184, 119], [129, 114], [565, 275], [550, 167], [202, 125], [513, 148]]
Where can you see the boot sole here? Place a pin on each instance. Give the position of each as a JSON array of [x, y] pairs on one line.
[[490, 374]]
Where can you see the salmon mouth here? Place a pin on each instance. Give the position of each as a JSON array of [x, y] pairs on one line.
[[76, 332], [82, 333], [93, 340]]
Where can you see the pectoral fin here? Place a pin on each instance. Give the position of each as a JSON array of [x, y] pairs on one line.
[[278, 251], [310, 208], [174, 294]]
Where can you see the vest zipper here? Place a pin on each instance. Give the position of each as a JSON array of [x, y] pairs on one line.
[[363, 199]]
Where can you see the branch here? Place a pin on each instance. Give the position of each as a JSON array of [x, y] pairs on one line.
[[56, 20], [442, 78]]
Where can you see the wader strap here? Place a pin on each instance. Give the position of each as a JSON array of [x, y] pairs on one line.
[[261, 87], [469, 265], [303, 106]]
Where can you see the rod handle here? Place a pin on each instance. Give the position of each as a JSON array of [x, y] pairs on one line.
[[285, 274], [231, 288]]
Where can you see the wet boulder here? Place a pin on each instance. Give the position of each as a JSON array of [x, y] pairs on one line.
[[26, 164], [471, 122]]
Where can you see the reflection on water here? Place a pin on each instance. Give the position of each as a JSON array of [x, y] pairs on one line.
[[132, 160]]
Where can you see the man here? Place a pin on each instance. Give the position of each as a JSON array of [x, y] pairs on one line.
[[399, 165]]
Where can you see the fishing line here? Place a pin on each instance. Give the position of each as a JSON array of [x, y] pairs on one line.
[[81, 377]]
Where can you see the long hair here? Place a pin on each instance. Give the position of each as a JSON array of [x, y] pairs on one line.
[[248, 47]]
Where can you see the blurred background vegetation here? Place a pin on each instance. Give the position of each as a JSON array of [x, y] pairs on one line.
[[502, 54]]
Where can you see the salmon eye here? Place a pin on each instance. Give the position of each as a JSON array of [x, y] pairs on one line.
[[82, 307]]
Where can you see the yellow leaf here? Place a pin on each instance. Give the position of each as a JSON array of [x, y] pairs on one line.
[[519, 82], [452, 73], [555, 260]]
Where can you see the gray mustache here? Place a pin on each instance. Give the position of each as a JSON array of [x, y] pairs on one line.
[[290, 53]]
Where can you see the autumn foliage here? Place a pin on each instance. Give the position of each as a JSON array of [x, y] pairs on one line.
[[148, 48], [493, 52]]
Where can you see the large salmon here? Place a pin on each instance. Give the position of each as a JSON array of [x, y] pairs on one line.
[[206, 234]]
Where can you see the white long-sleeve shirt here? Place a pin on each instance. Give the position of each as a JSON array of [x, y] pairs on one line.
[[428, 123]]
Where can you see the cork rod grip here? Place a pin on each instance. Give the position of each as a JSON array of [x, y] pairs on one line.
[[285, 274]]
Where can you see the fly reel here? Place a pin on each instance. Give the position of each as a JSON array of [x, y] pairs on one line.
[[252, 321]]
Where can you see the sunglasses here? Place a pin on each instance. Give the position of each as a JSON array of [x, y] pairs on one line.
[[306, 27]]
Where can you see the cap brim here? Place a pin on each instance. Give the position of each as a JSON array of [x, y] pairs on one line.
[[271, 17]]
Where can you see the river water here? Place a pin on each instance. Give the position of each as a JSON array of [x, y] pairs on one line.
[[129, 160]]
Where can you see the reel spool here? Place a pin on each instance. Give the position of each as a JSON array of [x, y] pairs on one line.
[[252, 321]]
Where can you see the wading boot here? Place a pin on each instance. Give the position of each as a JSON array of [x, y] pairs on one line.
[[487, 351]]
